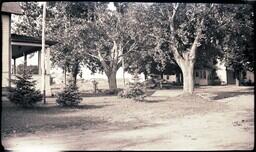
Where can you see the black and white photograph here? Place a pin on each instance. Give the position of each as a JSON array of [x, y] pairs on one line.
[[102, 75]]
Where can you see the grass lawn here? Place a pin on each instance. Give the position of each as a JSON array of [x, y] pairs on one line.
[[109, 122]]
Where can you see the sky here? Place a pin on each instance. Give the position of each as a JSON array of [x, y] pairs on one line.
[[33, 60]]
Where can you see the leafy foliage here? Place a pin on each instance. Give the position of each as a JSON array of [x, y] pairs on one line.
[[30, 23], [24, 93], [195, 34], [32, 68], [69, 97], [238, 43]]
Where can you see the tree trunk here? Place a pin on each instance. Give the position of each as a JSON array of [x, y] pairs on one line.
[[112, 81], [74, 77], [162, 75], [188, 77], [238, 79], [146, 75], [65, 76], [178, 78]]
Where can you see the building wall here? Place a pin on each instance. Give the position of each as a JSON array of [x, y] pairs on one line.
[[6, 51], [202, 78], [249, 76], [170, 78], [230, 77]]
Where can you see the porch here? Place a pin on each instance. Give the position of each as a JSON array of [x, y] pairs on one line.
[[21, 47]]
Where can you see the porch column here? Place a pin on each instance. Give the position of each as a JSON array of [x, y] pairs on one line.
[[39, 63], [14, 66]]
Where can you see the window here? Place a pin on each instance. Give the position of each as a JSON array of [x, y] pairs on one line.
[[167, 77], [196, 73]]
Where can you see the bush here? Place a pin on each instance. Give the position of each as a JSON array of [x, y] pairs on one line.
[[69, 97], [216, 81], [248, 83], [24, 93], [134, 91]]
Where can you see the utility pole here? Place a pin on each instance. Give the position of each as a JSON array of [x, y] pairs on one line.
[[43, 52]]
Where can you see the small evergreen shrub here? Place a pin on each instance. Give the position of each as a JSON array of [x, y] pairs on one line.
[[134, 91], [69, 97], [24, 93]]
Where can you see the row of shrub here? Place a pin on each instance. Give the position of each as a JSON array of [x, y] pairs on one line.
[[25, 95]]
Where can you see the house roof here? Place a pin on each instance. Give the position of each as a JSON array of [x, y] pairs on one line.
[[22, 44], [30, 39], [12, 8]]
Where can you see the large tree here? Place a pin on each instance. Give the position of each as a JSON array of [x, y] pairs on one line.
[[108, 39], [238, 43], [64, 25], [188, 29]]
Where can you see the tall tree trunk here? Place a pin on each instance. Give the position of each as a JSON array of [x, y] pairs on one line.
[[146, 75], [75, 72], [74, 77], [238, 78], [65, 76], [162, 75], [112, 81], [188, 76]]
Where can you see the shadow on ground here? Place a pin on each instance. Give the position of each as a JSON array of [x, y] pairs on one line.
[[222, 95], [48, 124], [51, 109], [153, 100]]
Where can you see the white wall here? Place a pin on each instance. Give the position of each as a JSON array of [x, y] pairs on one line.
[[249, 76], [221, 72]]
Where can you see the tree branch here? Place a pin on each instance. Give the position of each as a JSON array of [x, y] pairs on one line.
[[192, 52], [130, 50], [102, 61], [92, 55]]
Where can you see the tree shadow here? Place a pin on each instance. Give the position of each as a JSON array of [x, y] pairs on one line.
[[223, 95], [51, 109], [50, 124], [153, 101], [150, 92], [251, 88]]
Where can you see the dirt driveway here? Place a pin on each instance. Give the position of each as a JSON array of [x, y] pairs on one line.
[[221, 120]]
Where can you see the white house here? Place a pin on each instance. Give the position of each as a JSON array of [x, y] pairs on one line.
[[15, 46], [206, 76]]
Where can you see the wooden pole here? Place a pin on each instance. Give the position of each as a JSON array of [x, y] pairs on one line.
[[123, 70], [43, 52]]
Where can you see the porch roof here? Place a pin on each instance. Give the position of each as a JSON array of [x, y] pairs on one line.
[[22, 44], [12, 8]]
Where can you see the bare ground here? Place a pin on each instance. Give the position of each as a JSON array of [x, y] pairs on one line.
[[221, 119]]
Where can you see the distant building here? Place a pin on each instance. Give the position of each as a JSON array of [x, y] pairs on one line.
[[219, 74]]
